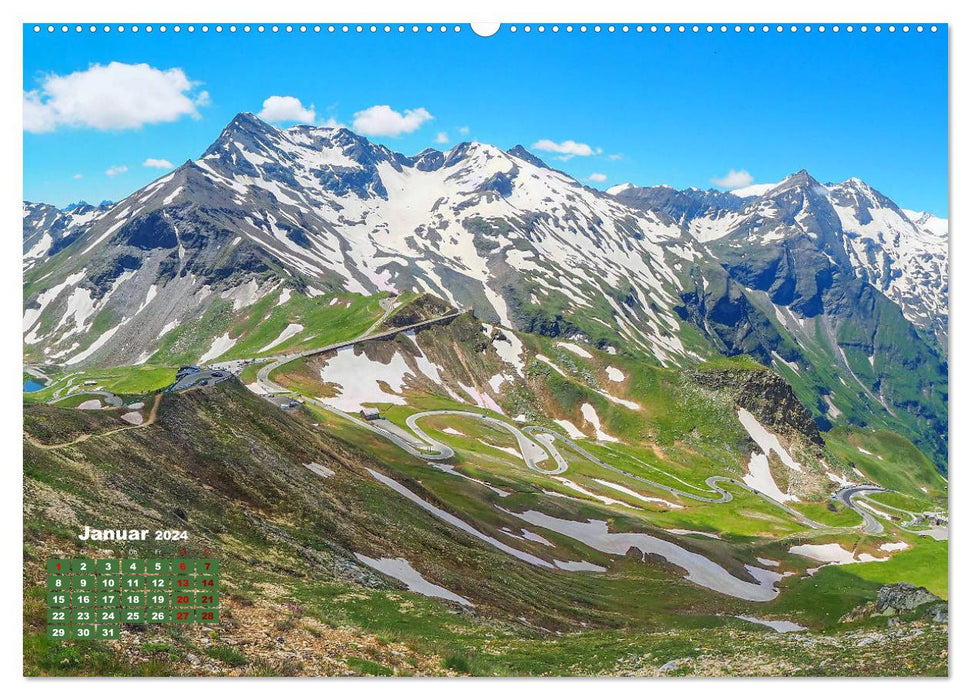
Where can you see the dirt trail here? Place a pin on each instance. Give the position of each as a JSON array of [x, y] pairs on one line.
[[152, 415]]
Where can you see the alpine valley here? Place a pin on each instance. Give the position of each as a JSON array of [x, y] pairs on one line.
[[458, 413]]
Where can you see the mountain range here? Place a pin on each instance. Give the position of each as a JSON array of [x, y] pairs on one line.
[[834, 286]]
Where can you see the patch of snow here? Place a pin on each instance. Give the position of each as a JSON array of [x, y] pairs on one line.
[[766, 440], [893, 546], [320, 469], [777, 625], [590, 415], [219, 346], [133, 417], [630, 492], [571, 430], [759, 477], [700, 570], [575, 349], [678, 531], [615, 375], [287, 333], [401, 570]]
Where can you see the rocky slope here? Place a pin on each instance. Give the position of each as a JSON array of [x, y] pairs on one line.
[[834, 286]]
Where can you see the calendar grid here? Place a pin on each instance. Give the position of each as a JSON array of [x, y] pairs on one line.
[[93, 598]]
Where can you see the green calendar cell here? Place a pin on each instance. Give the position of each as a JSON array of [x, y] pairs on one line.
[[58, 566], [83, 616], [184, 617], [108, 632], [83, 599], [82, 566], [131, 582], [209, 617], [108, 566], [157, 582], [58, 583], [58, 616], [109, 616], [156, 616], [133, 600], [133, 617], [82, 631], [206, 583], [84, 582], [207, 599], [108, 599], [157, 599], [158, 566], [133, 566], [58, 631], [58, 599], [207, 566], [183, 599], [108, 582], [183, 566], [183, 582]]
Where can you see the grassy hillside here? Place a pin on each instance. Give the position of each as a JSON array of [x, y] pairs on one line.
[[229, 467]]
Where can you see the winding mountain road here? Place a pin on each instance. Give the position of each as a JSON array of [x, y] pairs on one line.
[[846, 495]]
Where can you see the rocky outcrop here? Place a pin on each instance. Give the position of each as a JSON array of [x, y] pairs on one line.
[[902, 599], [765, 395]]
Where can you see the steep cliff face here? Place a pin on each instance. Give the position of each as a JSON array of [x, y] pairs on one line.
[[765, 395]]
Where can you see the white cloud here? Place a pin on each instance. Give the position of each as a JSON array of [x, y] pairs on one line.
[[78, 176], [111, 97], [597, 177], [733, 179], [381, 120], [567, 149], [157, 163], [464, 130], [615, 156], [116, 170], [441, 137], [277, 108], [331, 123]]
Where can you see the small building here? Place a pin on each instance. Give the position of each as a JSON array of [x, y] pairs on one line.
[[368, 413]]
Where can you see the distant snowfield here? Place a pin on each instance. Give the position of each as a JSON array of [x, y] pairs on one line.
[[832, 553], [400, 569], [575, 349], [287, 333], [700, 569], [360, 379], [220, 345], [363, 381], [639, 496]]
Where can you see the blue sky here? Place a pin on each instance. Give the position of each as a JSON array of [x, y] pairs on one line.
[[679, 109]]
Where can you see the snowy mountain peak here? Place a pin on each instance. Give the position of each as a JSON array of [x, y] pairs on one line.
[[617, 189]]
